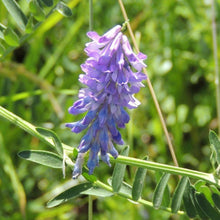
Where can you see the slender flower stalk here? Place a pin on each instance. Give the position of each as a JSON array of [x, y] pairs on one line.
[[112, 74]]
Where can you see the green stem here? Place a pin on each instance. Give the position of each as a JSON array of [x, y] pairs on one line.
[[127, 196], [166, 168], [91, 15], [121, 159], [215, 54]]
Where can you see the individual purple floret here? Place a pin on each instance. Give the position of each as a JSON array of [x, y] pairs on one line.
[[112, 74]]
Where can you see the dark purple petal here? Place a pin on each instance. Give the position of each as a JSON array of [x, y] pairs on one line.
[[79, 106], [117, 139], [122, 78], [104, 137], [111, 126], [94, 128], [89, 117], [76, 127], [111, 88], [102, 116], [93, 158], [121, 117]]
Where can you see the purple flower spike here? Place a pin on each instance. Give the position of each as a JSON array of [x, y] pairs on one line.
[[110, 83]]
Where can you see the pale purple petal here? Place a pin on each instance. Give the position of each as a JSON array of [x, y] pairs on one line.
[[110, 87]]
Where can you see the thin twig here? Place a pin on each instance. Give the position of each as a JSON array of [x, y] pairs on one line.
[[171, 148], [215, 54]]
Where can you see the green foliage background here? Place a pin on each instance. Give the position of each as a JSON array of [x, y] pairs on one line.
[[39, 81]]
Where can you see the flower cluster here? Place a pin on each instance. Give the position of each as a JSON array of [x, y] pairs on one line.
[[113, 73]]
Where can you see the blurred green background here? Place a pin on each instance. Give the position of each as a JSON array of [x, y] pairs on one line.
[[39, 81]]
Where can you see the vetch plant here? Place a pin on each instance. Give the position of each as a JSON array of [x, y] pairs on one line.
[[113, 73]]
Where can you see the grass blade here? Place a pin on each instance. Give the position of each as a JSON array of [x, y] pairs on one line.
[[10, 170]]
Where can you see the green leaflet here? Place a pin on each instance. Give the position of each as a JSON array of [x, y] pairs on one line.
[[201, 187], [216, 199], [2, 28], [11, 38], [2, 50], [214, 141], [68, 194], [11, 170], [198, 184], [48, 3], [36, 10], [48, 133], [45, 158], [178, 194], [166, 195], [214, 189], [207, 193], [159, 191], [15, 11], [138, 182], [188, 200], [125, 188], [97, 191], [119, 171], [63, 9], [210, 211], [30, 25], [199, 210]]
